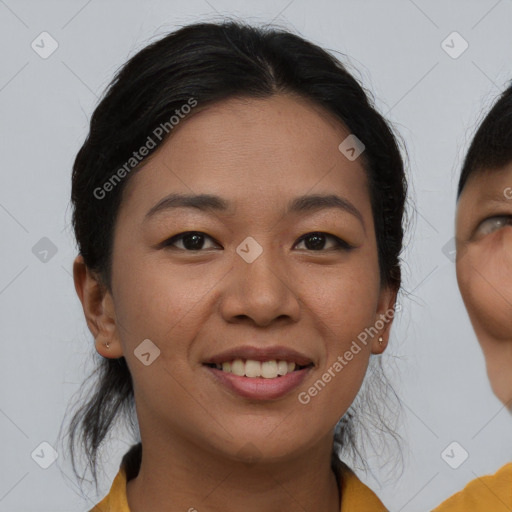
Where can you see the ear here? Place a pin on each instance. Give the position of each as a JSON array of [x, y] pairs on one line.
[[98, 306], [385, 314]]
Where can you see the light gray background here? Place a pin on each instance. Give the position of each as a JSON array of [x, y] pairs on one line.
[[434, 101]]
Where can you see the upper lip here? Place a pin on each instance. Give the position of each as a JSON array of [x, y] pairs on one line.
[[278, 353]]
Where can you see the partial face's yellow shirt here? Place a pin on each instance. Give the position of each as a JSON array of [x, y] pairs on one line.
[[491, 493], [356, 497]]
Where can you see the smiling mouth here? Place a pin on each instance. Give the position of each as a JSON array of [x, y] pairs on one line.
[[258, 369]]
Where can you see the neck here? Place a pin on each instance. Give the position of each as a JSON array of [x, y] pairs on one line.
[[179, 477]]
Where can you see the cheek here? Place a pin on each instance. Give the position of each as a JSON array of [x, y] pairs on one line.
[[163, 303], [342, 304], [345, 296], [343, 312], [485, 280], [167, 306]]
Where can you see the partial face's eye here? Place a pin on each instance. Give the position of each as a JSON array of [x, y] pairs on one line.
[[492, 224], [190, 241], [317, 242]]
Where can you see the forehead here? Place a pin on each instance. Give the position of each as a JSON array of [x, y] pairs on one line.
[[486, 192], [487, 185], [253, 147]]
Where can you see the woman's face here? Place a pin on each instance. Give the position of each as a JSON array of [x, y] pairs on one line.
[[484, 269], [247, 287]]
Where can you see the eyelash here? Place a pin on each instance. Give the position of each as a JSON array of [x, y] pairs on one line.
[[341, 245]]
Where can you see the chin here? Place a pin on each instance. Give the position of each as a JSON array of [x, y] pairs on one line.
[[258, 449]]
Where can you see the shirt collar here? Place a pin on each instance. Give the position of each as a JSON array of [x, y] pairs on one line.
[[355, 494]]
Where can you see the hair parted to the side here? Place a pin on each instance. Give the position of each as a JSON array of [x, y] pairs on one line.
[[211, 62], [491, 147]]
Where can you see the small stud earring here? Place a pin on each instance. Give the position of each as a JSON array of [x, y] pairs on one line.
[[107, 344], [381, 340]]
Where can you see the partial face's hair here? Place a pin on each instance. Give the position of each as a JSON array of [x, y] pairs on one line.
[[491, 147]]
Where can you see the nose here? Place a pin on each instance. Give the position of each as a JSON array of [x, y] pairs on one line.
[[260, 292]]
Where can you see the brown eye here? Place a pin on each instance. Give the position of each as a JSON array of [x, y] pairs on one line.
[[190, 240], [316, 242]]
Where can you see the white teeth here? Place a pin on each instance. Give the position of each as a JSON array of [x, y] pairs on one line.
[[251, 368], [282, 368], [269, 369], [238, 367]]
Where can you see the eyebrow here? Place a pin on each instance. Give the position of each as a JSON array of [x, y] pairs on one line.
[[212, 203], [493, 199]]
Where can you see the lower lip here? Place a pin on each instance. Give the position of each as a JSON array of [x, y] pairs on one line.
[[258, 388]]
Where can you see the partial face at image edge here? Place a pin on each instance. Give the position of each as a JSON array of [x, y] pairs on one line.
[[484, 269]]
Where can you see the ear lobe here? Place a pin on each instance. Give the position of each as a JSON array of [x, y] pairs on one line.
[[98, 309], [384, 318]]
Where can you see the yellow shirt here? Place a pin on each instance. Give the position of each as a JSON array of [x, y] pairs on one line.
[[491, 493], [356, 496]]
